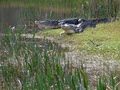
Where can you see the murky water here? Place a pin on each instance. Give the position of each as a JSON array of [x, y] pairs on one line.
[[18, 16], [8, 16]]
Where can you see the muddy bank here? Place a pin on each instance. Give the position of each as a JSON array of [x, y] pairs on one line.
[[92, 63]]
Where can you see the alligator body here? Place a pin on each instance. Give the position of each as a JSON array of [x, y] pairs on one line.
[[53, 24], [83, 23], [70, 25]]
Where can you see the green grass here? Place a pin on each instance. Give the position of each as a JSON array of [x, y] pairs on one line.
[[27, 66], [104, 39]]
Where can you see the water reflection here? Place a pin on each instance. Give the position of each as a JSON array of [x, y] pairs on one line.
[[15, 16], [8, 16]]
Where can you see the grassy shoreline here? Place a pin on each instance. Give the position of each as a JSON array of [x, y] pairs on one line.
[[26, 66], [104, 39]]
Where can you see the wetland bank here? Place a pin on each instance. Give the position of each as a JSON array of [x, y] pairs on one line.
[[27, 63]]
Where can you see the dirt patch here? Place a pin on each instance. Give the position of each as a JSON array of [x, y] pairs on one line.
[[77, 58]]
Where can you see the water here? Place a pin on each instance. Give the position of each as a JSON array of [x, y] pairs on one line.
[[18, 16], [8, 16]]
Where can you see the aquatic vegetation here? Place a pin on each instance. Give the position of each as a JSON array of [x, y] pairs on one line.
[[32, 66], [76, 8]]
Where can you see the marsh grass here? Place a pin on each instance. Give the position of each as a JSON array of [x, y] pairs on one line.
[[29, 66], [76, 8]]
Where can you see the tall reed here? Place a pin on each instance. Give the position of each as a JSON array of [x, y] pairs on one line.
[[74, 8], [30, 66]]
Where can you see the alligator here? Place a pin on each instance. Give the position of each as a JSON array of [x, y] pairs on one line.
[[54, 24], [70, 25], [83, 23], [74, 21]]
